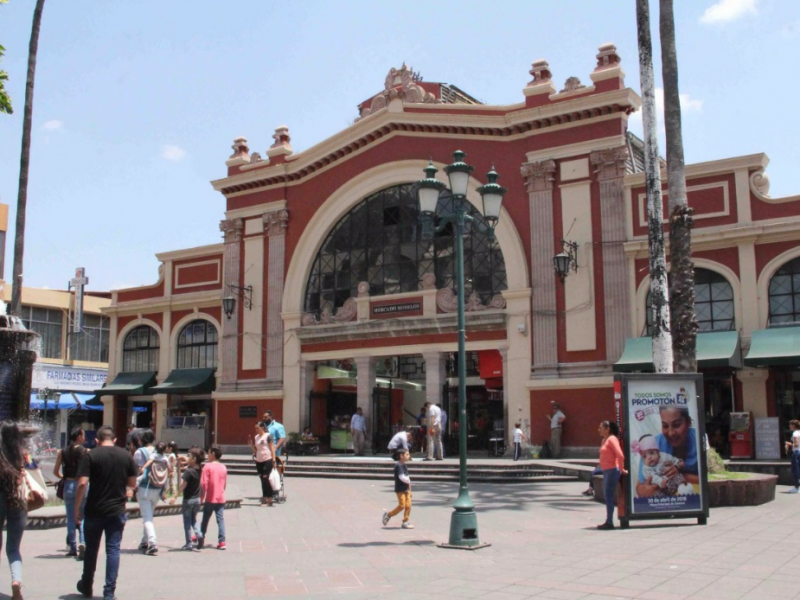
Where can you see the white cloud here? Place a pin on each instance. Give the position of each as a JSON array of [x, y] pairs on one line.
[[688, 105], [729, 10], [53, 125], [173, 153]]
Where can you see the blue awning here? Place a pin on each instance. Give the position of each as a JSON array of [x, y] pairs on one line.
[[68, 400]]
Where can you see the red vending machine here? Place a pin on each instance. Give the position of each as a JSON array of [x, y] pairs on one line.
[[741, 435]]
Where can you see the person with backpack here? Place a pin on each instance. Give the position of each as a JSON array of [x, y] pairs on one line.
[[154, 477]]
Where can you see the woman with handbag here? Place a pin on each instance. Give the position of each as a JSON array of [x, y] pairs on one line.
[[66, 469], [263, 450], [15, 491]]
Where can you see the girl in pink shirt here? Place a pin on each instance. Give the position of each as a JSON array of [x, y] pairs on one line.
[[612, 462], [213, 480]]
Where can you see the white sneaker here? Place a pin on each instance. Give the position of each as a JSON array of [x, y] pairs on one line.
[[407, 525], [794, 491], [385, 518]]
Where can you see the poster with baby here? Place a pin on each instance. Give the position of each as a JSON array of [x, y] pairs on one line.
[[663, 436]]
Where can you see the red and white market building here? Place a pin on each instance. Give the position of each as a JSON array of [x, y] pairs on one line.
[[341, 303]]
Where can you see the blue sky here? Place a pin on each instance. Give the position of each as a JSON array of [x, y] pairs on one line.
[[137, 103]]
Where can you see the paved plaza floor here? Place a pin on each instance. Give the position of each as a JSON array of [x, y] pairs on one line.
[[327, 541]]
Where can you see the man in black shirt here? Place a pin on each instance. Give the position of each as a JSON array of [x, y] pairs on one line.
[[110, 470]]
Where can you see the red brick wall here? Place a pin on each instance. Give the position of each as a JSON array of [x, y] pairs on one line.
[[231, 430], [584, 409]]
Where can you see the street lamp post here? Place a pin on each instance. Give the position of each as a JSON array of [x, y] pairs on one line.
[[463, 521]]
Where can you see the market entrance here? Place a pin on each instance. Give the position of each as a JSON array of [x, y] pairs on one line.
[[394, 393]]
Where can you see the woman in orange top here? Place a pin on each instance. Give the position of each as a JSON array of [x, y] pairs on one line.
[[612, 462]]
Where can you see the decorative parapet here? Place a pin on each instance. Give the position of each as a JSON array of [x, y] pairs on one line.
[[759, 185], [241, 153], [447, 301], [607, 57], [410, 92], [282, 145], [428, 281], [539, 176], [540, 70], [572, 84]]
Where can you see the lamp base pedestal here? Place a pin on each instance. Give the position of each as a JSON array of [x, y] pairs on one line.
[[464, 531]]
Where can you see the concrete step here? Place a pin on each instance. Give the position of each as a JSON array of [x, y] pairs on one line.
[[418, 477]]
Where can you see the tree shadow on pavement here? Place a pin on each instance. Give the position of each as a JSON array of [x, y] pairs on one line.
[[503, 497], [368, 544]]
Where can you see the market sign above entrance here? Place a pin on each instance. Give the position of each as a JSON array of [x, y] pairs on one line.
[[396, 308]]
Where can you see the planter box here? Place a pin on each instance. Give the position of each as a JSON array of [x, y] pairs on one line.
[[758, 489]]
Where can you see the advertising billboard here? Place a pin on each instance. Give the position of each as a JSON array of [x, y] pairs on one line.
[[663, 442]]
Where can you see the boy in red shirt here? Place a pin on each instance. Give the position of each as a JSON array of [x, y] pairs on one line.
[[213, 481]]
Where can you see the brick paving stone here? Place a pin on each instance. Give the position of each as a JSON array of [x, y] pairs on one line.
[[327, 542]]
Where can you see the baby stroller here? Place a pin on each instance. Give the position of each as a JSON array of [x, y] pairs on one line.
[[279, 495]]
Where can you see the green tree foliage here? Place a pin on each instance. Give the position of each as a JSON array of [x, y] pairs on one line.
[[5, 99]]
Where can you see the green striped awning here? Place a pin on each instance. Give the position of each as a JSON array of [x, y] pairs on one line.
[[778, 346], [714, 349], [134, 383], [187, 381]]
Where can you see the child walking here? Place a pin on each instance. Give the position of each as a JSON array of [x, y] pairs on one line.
[[190, 486], [402, 487], [518, 437], [213, 480]]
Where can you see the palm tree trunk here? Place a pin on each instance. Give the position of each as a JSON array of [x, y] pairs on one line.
[[24, 162], [659, 292], [681, 294]]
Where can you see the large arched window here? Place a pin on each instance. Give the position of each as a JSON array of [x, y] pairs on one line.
[[784, 294], [713, 302], [140, 350], [197, 345], [379, 242]]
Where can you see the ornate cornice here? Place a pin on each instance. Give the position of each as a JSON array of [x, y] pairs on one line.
[[232, 230], [374, 136], [539, 176], [276, 222], [610, 163]]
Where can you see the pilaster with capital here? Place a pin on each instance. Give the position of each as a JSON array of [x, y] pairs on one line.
[[435, 375], [232, 230], [539, 178], [275, 224], [610, 167]]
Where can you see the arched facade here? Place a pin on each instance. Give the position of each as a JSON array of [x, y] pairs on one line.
[[573, 175], [153, 347]]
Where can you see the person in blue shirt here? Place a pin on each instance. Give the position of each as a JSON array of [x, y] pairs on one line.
[[277, 431], [679, 439]]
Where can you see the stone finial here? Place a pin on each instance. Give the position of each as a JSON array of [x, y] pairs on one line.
[[240, 149], [607, 57], [572, 84], [281, 137], [540, 69]]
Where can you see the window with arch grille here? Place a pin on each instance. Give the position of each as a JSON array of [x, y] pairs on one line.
[[140, 349], [379, 241], [784, 294], [713, 303], [197, 345]]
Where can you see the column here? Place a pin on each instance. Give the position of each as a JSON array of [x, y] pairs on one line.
[[539, 177], [160, 402], [275, 223], [754, 391], [108, 411], [610, 169], [232, 233], [365, 365], [435, 375], [306, 385]]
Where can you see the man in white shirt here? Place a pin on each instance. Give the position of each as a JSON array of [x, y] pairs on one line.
[[443, 437], [556, 427], [358, 427], [434, 432]]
